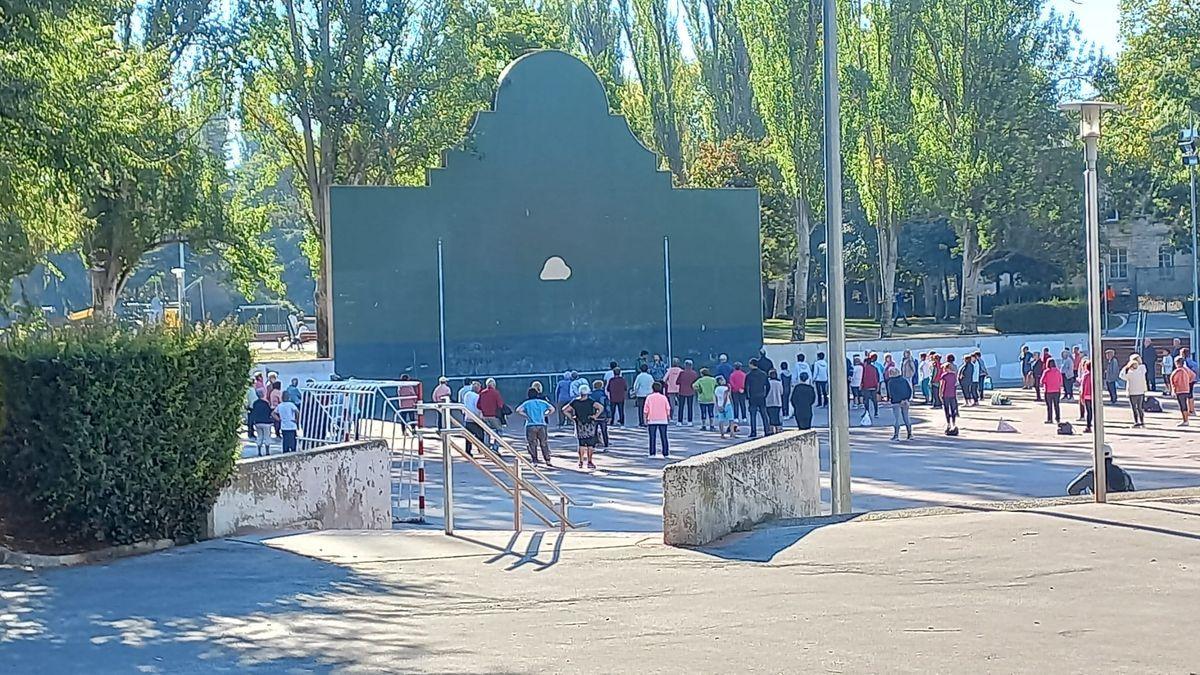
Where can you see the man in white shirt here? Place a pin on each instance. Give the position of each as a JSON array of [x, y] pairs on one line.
[[470, 401], [820, 379], [289, 416], [643, 386], [802, 368]]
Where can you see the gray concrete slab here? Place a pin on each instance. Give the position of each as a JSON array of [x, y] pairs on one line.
[[1065, 589]]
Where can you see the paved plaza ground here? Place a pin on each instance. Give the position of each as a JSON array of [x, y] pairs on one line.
[[932, 469], [1067, 589]]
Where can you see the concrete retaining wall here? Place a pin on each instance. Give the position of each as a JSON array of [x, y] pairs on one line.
[[345, 486], [710, 495]]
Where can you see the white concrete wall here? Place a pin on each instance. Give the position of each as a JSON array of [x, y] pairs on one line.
[[317, 369], [710, 495], [345, 487], [1000, 352]]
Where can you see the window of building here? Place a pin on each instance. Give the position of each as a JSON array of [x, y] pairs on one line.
[[1166, 261], [1118, 263]]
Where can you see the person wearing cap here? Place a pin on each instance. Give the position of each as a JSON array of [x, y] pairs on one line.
[[585, 412], [1118, 479], [724, 369], [441, 393]]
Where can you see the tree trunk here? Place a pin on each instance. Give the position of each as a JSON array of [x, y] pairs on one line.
[[929, 293], [106, 288], [889, 245], [779, 308], [321, 299], [968, 290], [803, 222]]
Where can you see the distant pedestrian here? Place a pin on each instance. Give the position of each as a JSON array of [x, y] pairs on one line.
[[1087, 394], [757, 387], [1069, 372], [1051, 382], [966, 379], [900, 393], [261, 421], [618, 390], [723, 407], [658, 368], [1150, 360], [585, 412], [803, 397], [925, 376], [899, 310], [1026, 358], [870, 386], [981, 376], [288, 416], [774, 401], [856, 378], [1182, 379], [441, 393], [706, 391], [724, 369], [671, 380], [935, 381], [536, 412], [1112, 371], [686, 381], [563, 396], [275, 397], [785, 377], [765, 364], [643, 386], [491, 405], [470, 403], [293, 390], [737, 388], [1038, 369], [950, 396], [1136, 385], [820, 379], [908, 368], [599, 395], [657, 412]]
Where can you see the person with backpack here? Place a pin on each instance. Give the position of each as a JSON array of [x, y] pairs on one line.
[[900, 393], [1051, 383], [1136, 386], [1116, 478]]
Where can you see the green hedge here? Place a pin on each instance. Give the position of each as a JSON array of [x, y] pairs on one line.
[[111, 435], [1055, 316]]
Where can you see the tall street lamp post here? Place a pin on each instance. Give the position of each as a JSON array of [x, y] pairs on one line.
[[839, 395], [1189, 145], [1090, 115]]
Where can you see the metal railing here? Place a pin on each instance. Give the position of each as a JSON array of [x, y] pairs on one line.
[[516, 480]]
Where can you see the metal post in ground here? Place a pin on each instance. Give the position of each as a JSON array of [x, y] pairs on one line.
[[1095, 328], [839, 395]]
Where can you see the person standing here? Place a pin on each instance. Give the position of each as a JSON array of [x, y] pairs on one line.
[[288, 416], [1192, 365], [899, 312], [737, 387], [908, 368], [470, 402], [925, 375], [686, 381], [706, 390], [491, 404], [253, 394], [275, 397], [563, 396], [1168, 367], [1182, 379], [981, 375], [441, 393], [1150, 360], [949, 386], [765, 364], [1176, 348], [465, 389], [585, 412], [774, 401], [293, 390], [900, 393], [785, 378], [856, 379], [723, 368], [1067, 366], [658, 368], [671, 380], [261, 421], [1038, 370], [599, 395], [608, 374], [1026, 358], [820, 379], [1136, 385], [1112, 371], [1052, 383], [1086, 392], [803, 397], [657, 412], [869, 387], [643, 386], [757, 387], [966, 379], [536, 412], [723, 407], [935, 381], [617, 388]]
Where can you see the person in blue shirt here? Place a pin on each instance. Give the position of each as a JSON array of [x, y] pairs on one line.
[[563, 396], [724, 369], [293, 390], [536, 411], [658, 368], [600, 396]]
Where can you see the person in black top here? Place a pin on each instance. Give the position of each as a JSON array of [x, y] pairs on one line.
[[765, 364], [757, 386], [1118, 479], [260, 417], [1151, 358], [802, 399]]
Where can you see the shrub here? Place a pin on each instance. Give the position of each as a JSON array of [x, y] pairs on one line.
[[111, 435], [1054, 316]]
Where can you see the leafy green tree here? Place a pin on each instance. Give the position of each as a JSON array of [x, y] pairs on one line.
[[652, 38]]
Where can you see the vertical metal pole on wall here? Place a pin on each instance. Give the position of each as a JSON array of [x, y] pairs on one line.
[[1095, 293], [1195, 272], [667, 275], [839, 395], [447, 472], [517, 495], [441, 308]]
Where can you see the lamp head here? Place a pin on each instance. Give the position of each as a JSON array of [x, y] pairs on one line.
[[1090, 114], [1189, 147], [178, 272]]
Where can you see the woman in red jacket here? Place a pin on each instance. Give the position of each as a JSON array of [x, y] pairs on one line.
[[1052, 388], [1086, 394]]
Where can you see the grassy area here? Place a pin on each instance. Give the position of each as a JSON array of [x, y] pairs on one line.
[[780, 330]]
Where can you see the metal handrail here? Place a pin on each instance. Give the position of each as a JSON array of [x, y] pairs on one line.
[[450, 424]]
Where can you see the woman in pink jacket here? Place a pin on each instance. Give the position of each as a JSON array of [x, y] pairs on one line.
[[1052, 386], [658, 415], [1086, 393]]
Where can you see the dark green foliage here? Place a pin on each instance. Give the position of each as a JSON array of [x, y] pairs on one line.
[[111, 435], [1055, 316]]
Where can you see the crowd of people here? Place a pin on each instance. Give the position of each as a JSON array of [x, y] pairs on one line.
[[272, 409]]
